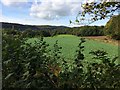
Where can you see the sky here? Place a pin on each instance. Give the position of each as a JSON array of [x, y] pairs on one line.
[[42, 12]]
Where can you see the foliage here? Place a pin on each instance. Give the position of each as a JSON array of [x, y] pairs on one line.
[[97, 11], [100, 10], [80, 55], [104, 74], [33, 66], [112, 27], [56, 53], [27, 66], [21, 63], [12, 65]]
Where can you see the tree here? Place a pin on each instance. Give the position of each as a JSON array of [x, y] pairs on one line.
[[96, 11], [112, 27]]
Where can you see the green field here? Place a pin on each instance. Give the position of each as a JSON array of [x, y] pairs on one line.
[[69, 45]]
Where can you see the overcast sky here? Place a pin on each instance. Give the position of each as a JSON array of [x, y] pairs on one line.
[[42, 12]]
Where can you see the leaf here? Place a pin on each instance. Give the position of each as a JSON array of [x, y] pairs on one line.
[[114, 59], [77, 20], [6, 62], [26, 73], [70, 21], [28, 85], [8, 76]]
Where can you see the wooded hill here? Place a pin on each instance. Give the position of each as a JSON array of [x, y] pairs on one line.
[[22, 27], [47, 30]]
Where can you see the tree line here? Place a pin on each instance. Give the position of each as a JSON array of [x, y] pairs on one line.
[[47, 32]]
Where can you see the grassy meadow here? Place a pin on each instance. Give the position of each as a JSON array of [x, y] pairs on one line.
[[69, 45]]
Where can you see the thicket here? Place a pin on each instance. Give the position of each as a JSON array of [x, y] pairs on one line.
[[33, 66]]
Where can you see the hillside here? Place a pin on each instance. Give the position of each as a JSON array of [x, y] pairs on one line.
[[47, 30], [22, 27]]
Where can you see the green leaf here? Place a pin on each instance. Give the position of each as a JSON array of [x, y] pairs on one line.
[[70, 21], [77, 20], [8, 76]]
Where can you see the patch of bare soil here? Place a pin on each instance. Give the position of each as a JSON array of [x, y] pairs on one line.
[[104, 39]]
